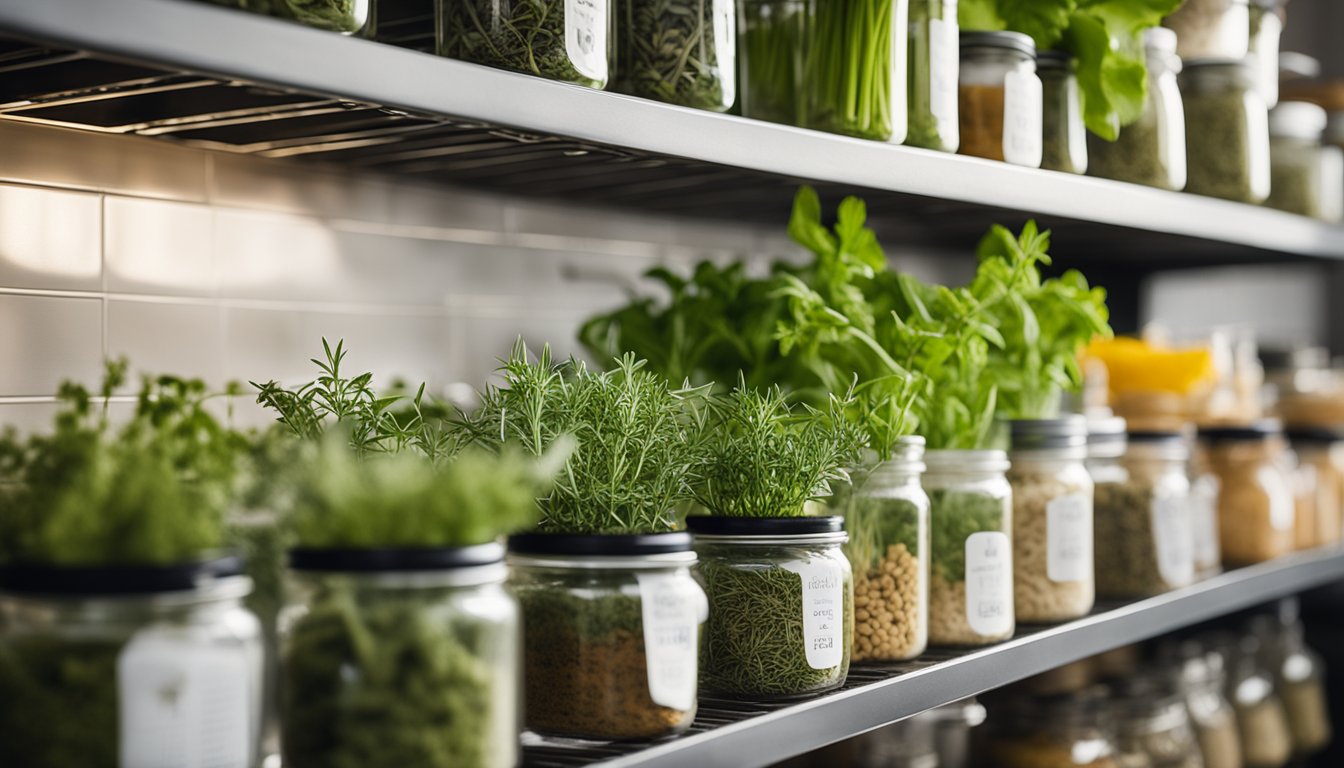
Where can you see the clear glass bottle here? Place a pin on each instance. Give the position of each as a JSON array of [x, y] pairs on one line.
[[349, 17], [770, 61], [1052, 519], [1320, 486], [999, 98], [1266, 28], [1226, 131], [1056, 732], [104, 667], [1150, 717], [1063, 133], [1151, 150], [1302, 686], [401, 657], [565, 40], [1266, 737], [854, 63], [781, 605], [1212, 28], [1299, 166], [1202, 682], [933, 68], [971, 553], [887, 517], [1255, 496], [681, 53], [611, 633], [1204, 487]]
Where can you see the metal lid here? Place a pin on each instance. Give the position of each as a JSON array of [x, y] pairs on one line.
[[1013, 41], [1297, 120], [1106, 437], [44, 579], [953, 461], [599, 545], [396, 559], [1160, 39], [1209, 64], [1156, 437], [1259, 430], [1315, 435], [1054, 60], [1048, 434], [715, 525]]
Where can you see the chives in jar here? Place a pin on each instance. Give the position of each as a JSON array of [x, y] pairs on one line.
[[854, 68]]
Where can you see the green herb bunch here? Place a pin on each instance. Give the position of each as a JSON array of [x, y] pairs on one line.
[[770, 37], [522, 35], [667, 50], [847, 73]]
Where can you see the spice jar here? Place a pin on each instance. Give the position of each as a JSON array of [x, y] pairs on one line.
[[781, 605], [1212, 28], [1266, 738], [933, 68], [905, 744], [953, 725], [1150, 718], [611, 633], [1301, 168], [1204, 488], [563, 40], [1202, 682], [403, 657], [1056, 732], [1143, 531], [678, 51], [770, 60], [1226, 131], [349, 17], [971, 557], [1063, 134], [1052, 519], [1320, 486], [1151, 150], [999, 98], [1255, 497], [1301, 685], [887, 517], [129, 666], [1266, 27], [854, 68]]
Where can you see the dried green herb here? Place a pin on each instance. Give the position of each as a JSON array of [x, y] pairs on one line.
[[1136, 156], [520, 35], [955, 516], [847, 71], [669, 50], [772, 34], [60, 702], [1219, 144], [348, 16]]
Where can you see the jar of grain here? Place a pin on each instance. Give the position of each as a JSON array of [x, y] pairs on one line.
[[1053, 577], [1063, 134], [1202, 681], [1226, 131], [1255, 497], [971, 552], [999, 98], [1151, 150]]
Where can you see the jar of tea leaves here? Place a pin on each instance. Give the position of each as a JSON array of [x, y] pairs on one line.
[[678, 51], [770, 59], [564, 40], [1301, 168], [1255, 496], [1266, 29], [1063, 134], [1151, 150], [1226, 131], [854, 68], [999, 98], [933, 67]]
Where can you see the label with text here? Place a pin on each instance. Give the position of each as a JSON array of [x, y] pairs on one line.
[[1068, 538], [823, 611], [989, 583], [1174, 540], [586, 37], [673, 608], [1022, 119]]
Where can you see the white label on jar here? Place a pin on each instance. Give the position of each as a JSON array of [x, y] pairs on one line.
[[586, 37], [989, 583], [1173, 540], [944, 68], [1068, 538], [725, 47], [823, 611], [1022, 119], [183, 703], [1204, 519], [673, 608], [1280, 495]]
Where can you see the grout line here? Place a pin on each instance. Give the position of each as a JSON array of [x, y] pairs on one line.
[[51, 293], [102, 267]]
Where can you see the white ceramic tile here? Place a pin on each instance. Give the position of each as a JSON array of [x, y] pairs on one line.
[[27, 418], [100, 162], [180, 339], [277, 185], [527, 217], [49, 239], [486, 339], [550, 276], [158, 247], [451, 207], [44, 340]]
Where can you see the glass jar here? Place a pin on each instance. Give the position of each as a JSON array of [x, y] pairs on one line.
[[933, 67], [1202, 682], [129, 666], [999, 98], [611, 633], [349, 17], [1316, 450], [781, 605], [1052, 519], [854, 68], [565, 40], [1255, 497], [887, 517], [1063, 134], [399, 657], [1150, 717], [681, 53], [1055, 732], [971, 553], [1301, 685], [1143, 532], [1226, 131], [905, 744], [1204, 488], [1212, 28], [1266, 738], [1151, 150], [770, 64], [1266, 27], [953, 725], [1299, 166]]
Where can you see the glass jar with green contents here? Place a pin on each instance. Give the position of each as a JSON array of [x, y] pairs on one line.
[[1266, 29], [781, 605], [349, 17], [1063, 134], [121, 666], [1151, 150], [399, 657], [770, 60], [887, 516], [854, 68], [565, 40], [1226, 131], [678, 51], [611, 633], [999, 98], [971, 552], [933, 67], [1302, 170]]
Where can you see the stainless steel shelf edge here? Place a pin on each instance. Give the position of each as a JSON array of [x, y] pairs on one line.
[[228, 43]]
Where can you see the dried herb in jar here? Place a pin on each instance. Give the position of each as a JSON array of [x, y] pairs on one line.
[[60, 701], [955, 516], [347, 16], [525, 36], [981, 110], [677, 51]]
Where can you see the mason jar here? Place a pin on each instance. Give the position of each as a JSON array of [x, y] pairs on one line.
[[1052, 519], [854, 68], [1302, 685], [1266, 735], [129, 666], [678, 53], [611, 633], [1255, 496], [1212, 28], [1151, 150], [999, 98], [1063, 133], [887, 517], [1065, 731], [1306, 176], [1214, 721], [781, 605], [348, 17], [971, 553], [1316, 449], [933, 67], [1150, 718], [565, 40], [399, 657], [770, 59], [1266, 29], [1226, 131]]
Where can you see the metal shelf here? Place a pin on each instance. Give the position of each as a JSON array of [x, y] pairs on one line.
[[746, 734], [212, 76]]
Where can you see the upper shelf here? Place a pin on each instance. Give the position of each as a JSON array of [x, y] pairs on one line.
[[230, 80]]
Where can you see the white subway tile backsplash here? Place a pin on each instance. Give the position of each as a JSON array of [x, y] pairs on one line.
[[158, 247], [44, 340], [27, 418], [159, 337], [49, 239], [263, 184], [98, 162]]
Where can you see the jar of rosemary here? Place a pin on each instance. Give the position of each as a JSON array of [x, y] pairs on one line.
[[1255, 496], [887, 516], [999, 98], [770, 61], [854, 68], [1063, 134], [129, 665], [932, 69], [781, 605], [1151, 150], [678, 51], [349, 17], [971, 553], [399, 657], [611, 633], [1302, 170], [564, 40], [1226, 131]]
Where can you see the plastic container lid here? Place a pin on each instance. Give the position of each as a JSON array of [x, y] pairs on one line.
[[1297, 120], [1013, 41], [117, 579], [386, 560]]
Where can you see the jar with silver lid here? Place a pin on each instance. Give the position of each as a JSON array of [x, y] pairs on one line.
[[1151, 150], [999, 98], [1226, 131]]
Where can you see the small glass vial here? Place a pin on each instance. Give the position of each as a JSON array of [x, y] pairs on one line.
[[1052, 519], [1212, 28], [1226, 131], [1307, 178], [556, 39], [854, 68], [1266, 28], [933, 67], [999, 98], [971, 554], [1151, 150], [1063, 133], [1255, 496], [770, 60], [684, 54]]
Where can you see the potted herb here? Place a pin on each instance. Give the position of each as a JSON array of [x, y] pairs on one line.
[[564, 40], [678, 51]]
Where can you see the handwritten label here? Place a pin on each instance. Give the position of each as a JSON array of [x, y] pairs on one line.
[[1281, 505], [673, 608], [944, 68], [1068, 538], [823, 611], [1022, 119], [1174, 540], [1204, 519], [725, 47], [989, 583], [586, 37]]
